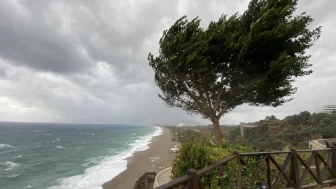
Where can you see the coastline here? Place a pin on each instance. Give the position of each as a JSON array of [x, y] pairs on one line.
[[156, 158]]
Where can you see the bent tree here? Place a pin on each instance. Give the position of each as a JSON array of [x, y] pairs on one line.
[[250, 58]]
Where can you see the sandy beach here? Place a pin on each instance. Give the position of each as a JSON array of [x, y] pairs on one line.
[[156, 158]]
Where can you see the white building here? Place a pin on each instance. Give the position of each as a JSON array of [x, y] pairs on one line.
[[327, 109], [180, 125]]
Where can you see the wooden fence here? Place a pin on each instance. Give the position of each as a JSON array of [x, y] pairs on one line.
[[292, 172]]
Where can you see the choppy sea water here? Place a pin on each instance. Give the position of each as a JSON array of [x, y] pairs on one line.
[[67, 156]]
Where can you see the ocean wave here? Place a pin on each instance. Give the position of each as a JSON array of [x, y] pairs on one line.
[[92, 161], [107, 168], [96, 175], [13, 176], [59, 147], [16, 157], [57, 139], [3, 146], [79, 148], [10, 165], [142, 143]]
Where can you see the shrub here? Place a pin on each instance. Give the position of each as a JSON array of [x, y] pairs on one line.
[[186, 135], [198, 155]]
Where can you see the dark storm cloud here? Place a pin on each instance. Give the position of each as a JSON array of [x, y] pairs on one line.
[[110, 31], [86, 61], [25, 39]]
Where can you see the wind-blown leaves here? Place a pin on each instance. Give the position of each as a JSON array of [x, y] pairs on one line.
[[249, 58]]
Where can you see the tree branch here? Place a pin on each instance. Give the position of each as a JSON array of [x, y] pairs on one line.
[[188, 105], [221, 113], [209, 100], [192, 96], [206, 98], [216, 106]]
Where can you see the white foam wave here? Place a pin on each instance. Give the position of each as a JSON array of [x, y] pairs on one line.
[[12, 176], [3, 146], [59, 147], [10, 165], [108, 167], [142, 143], [16, 157]]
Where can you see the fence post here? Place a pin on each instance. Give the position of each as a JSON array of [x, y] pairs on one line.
[[295, 169], [317, 167], [239, 172], [194, 178], [333, 160], [268, 167]]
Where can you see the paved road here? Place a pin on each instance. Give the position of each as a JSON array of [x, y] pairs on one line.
[[164, 177]]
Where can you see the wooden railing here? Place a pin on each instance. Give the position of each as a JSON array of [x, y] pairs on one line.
[[318, 167]]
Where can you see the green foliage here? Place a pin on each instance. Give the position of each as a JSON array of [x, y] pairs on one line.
[[316, 119], [249, 58], [304, 118], [198, 155], [321, 123], [293, 132], [269, 118], [186, 135]]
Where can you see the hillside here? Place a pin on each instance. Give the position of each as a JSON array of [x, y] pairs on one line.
[[292, 132]]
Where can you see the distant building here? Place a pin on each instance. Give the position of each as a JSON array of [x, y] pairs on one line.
[[319, 144], [180, 125], [244, 127], [327, 109]]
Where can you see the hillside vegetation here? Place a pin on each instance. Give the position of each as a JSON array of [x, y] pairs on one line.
[[198, 151], [294, 131]]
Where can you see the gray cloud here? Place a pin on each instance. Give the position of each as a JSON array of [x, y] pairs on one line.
[[27, 39], [86, 61]]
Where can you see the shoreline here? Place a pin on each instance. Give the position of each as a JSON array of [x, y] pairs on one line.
[[154, 159]]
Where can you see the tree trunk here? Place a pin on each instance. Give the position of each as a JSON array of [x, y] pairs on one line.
[[217, 132]]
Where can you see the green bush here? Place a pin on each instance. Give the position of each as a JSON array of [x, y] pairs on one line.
[[198, 155], [186, 135]]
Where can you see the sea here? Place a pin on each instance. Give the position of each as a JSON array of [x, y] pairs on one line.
[[67, 156]]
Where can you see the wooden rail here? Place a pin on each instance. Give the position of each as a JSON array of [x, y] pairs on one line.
[[292, 172]]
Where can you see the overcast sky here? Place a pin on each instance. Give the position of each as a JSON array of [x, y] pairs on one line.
[[86, 61]]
